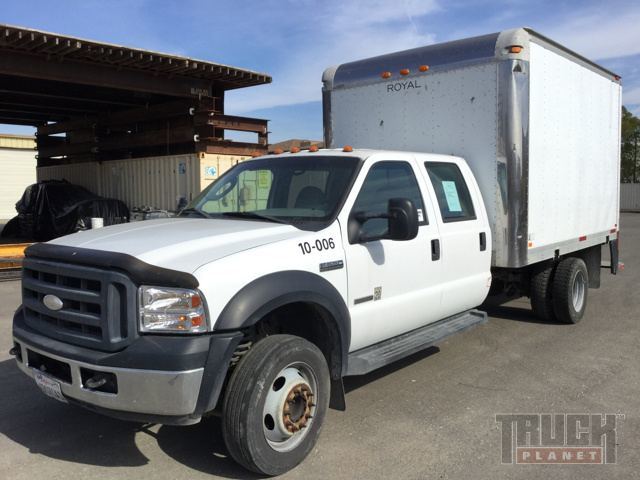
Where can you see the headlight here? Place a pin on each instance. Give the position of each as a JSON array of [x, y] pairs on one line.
[[171, 310]]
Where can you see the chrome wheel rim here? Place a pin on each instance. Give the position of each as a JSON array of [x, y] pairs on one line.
[[289, 407], [578, 291]]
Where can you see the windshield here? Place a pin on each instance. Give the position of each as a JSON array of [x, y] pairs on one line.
[[304, 190]]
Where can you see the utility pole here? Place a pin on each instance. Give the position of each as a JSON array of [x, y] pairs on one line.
[[635, 153]]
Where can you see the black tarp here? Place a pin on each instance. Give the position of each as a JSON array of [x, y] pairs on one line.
[[54, 208]]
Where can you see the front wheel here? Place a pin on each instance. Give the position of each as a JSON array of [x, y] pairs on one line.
[[570, 288], [275, 403]]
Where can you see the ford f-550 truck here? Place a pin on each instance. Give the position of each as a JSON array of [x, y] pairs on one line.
[[295, 270]]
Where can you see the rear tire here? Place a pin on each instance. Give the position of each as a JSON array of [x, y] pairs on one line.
[[570, 289], [275, 404], [541, 292]]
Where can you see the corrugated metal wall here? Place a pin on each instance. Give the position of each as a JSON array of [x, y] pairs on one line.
[[20, 142], [18, 167], [214, 165], [157, 182], [630, 196], [84, 174], [154, 181]]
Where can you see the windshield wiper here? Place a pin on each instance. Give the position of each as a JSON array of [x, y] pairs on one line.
[[195, 210], [253, 215]]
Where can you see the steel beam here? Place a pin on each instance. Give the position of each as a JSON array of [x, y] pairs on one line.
[[230, 148], [84, 73]]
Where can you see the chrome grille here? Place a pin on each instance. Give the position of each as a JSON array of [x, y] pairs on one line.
[[98, 306]]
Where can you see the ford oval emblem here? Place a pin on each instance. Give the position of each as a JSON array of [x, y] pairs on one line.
[[52, 302]]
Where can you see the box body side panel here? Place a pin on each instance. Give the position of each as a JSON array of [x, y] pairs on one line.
[[451, 112], [574, 154]]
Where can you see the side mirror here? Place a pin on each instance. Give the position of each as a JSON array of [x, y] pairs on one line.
[[402, 223], [403, 219]]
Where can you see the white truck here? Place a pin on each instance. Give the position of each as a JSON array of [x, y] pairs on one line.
[[295, 270]]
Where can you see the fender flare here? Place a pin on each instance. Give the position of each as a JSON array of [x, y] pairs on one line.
[[265, 294]]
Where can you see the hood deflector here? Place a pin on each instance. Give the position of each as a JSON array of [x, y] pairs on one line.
[[140, 272]]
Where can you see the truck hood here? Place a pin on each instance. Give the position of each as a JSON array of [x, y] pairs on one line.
[[182, 244]]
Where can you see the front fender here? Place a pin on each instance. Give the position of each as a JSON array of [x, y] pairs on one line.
[[263, 295]]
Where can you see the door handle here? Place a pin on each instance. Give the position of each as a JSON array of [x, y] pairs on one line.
[[435, 249], [483, 241]]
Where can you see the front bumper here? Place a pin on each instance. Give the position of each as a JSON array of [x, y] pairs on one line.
[[165, 379]]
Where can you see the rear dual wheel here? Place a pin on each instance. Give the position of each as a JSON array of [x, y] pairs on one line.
[[541, 289], [570, 288], [559, 291], [275, 404]]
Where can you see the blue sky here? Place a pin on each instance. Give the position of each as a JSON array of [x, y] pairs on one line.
[[295, 40]]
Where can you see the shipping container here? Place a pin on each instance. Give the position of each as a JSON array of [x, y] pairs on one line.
[[156, 182]]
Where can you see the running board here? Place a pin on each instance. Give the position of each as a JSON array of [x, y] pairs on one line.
[[376, 356]]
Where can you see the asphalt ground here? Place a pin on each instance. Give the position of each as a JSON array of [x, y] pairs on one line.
[[431, 416]]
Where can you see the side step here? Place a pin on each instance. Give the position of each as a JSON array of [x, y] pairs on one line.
[[376, 356]]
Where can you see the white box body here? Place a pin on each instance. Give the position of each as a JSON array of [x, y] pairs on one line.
[[539, 128]]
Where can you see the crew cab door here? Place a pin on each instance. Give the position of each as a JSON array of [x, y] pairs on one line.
[[465, 237], [393, 286]]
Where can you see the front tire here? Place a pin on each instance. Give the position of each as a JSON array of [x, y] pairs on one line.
[[275, 403], [570, 289]]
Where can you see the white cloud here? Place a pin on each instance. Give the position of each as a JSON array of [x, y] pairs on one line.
[[339, 33], [607, 33]]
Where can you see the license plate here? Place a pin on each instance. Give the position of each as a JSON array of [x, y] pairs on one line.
[[49, 386]]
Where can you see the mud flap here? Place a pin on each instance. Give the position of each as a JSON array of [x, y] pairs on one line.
[[337, 400], [613, 250]]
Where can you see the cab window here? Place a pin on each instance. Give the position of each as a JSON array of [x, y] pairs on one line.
[[386, 180], [452, 192]]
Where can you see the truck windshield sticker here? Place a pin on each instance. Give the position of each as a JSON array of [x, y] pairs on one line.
[[420, 215], [451, 194]]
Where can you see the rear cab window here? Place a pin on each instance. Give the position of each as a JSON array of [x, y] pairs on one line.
[[451, 191]]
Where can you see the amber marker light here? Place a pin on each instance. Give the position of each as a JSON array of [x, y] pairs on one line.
[[423, 68], [515, 49], [347, 148], [405, 71], [385, 74], [294, 149], [313, 148], [196, 301]]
